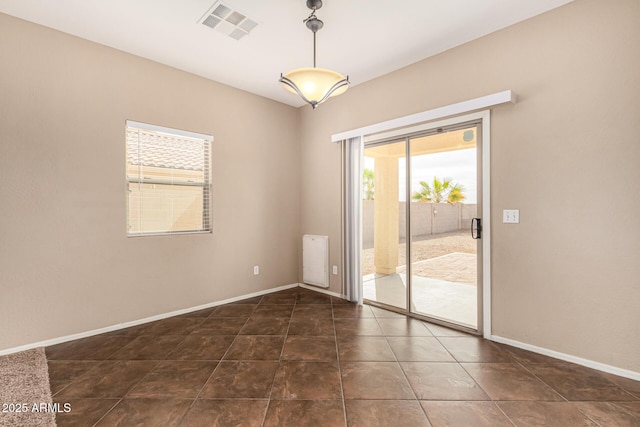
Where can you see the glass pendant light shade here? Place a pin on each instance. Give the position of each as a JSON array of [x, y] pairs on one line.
[[314, 85]]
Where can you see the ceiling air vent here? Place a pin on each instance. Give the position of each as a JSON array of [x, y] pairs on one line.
[[230, 22]]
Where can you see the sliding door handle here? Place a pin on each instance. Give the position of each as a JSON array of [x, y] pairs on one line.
[[476, 228]]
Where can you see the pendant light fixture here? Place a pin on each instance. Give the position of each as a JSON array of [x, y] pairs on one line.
[[314, 85]]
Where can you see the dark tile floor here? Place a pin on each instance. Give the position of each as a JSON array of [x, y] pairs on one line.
[[301, 358]]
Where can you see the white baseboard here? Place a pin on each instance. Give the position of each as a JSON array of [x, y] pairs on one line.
[[569, 358], [125, 325], [324, 291]]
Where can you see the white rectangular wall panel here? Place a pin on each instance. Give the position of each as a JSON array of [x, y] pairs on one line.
[[315, 260]]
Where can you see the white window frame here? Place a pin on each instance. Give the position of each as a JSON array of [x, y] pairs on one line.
[[206, 184]]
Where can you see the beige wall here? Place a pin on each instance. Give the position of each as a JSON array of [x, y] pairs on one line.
[[66, 264], [567, 278]]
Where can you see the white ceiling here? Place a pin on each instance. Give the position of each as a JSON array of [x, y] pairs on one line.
[[362, 39]]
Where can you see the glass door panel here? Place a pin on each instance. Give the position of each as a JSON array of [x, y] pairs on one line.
[[384, 224], [443, 202]]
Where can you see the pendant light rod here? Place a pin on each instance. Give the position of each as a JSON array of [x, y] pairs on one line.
[[313, 23]]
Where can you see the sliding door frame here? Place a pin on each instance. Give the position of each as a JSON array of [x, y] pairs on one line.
[[483, 119]]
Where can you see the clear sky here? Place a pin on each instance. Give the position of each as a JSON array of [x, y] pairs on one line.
[[459, 165]]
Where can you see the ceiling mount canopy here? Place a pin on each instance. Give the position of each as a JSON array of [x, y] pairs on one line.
[[314, 85]]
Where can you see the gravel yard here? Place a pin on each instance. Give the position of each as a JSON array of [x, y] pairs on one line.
[[426, 248]]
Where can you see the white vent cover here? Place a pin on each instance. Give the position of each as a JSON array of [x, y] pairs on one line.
[[315, 260], [230, 22]]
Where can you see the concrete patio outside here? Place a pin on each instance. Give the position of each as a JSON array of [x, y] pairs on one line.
[[443, 287]]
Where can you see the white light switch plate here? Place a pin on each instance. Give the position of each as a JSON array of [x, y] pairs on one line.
[[511, 216], [335, 269]]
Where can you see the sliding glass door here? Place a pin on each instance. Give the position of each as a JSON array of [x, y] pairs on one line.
[[421, 224], [444, 202]]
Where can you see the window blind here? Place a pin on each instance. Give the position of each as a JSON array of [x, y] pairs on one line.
[[168, 180]]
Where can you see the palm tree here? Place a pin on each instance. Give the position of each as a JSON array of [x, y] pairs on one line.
[[367, 184], [439, 192]]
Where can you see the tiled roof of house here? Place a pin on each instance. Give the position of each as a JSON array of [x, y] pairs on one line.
[[145, 148]]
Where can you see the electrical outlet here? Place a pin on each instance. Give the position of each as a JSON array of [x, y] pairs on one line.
[[335, 269], [256, 270], [511, 216]]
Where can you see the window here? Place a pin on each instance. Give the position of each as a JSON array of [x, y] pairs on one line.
[[168, 182]]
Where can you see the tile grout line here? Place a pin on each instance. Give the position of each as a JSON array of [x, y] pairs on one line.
[[467, 372], [404, 374], [108, 412], [130, 388], [565, 400], [522, 365], [108, 359], [502, 412], [266, 410], [75, 379], [474, 380], [335, 335], [149, 373], [558, 392], [219, 361], [446, 349], [587, 416]]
